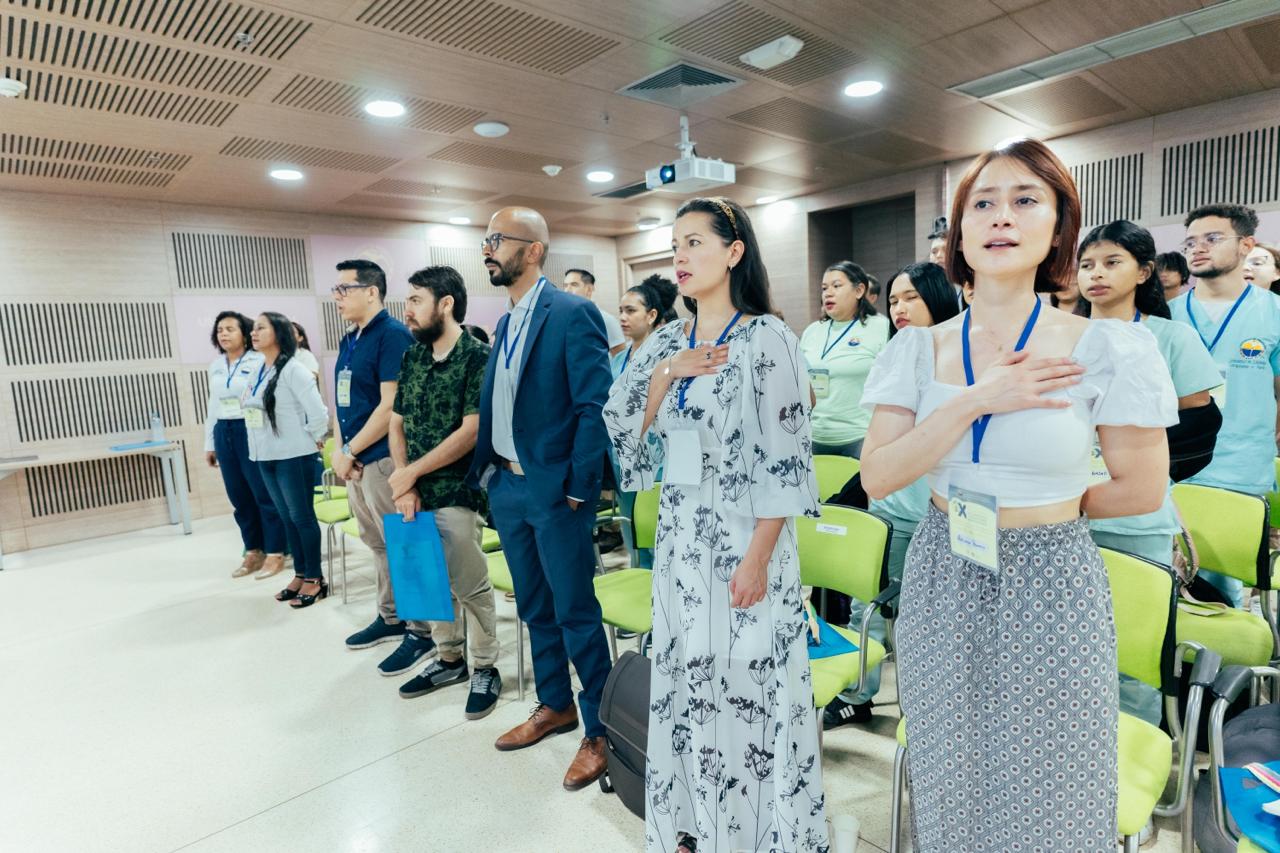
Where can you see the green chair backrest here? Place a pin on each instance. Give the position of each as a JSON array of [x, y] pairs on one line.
[[846, 550], [833, 472], [1273, 499], [1229, 529], [644, 520], [1142, 599]]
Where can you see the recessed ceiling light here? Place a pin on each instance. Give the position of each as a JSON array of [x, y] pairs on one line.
[[864, 88], [491, 129], [10, 88], [766, 199], [648, 223], [600, 176], [384, 109], [459, 220], [286, 174]]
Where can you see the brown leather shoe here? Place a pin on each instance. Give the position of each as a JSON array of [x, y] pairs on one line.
[[541, 723], [253, 561], [588, 765], [273, 565]]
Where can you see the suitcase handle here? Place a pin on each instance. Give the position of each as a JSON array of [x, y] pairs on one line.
[[605, 784]]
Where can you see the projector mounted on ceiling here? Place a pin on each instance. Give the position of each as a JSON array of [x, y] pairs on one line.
[[690, 173]]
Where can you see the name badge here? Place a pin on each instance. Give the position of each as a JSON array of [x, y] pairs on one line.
[[344, 387], [229, 407], [1098, 466], [974, 530], [254, 418], [820, 381], [684, 458]]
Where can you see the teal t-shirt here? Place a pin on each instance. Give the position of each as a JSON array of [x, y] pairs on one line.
[[910, 502], [839, 357], [1192, 370], [1247, 354]]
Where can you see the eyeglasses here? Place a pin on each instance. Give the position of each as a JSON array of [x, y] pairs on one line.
[[343, 289], [1259, 262], [1189, 245], [494, 240]]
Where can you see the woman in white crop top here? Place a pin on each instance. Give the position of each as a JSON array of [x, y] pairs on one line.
[[1006, 643]]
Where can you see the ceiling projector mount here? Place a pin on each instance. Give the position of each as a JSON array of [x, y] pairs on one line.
[[690, 173]]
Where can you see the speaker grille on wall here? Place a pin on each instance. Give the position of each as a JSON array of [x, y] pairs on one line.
[[1110, 189], [1238, 168], [93, 484], [84, 332], [559, 263], [49, 409], [199, 395], [240, 262]]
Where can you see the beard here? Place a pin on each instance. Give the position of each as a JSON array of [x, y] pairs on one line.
[[1216, 270], [431, 332], [506, 274]]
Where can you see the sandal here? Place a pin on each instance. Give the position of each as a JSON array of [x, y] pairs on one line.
[[289, 591], [305, 600]]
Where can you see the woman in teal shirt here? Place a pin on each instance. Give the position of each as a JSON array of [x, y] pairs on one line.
[[919, 295], [839, 351], [1118, 281]]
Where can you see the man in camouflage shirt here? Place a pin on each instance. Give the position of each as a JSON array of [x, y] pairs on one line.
[[433, 431]]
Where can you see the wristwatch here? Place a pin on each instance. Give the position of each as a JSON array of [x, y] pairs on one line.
[[346, 450]]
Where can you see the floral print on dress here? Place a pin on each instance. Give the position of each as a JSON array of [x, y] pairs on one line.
[[733, 738]]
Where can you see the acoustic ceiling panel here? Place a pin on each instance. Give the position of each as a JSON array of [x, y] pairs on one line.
[[81, 172], [492, 157], [1110, 189], [396, 202], [87, 332], [1264, 38], [75, 49], [342, 99], [206, 261], [305, 155], [494, 30], [766, 180], [422, 189], [88, 93], [888, 146], [222, 24], [727, 32], [94, 484], [92, 153], [1061, 103], [1243, 168], [796, 118]]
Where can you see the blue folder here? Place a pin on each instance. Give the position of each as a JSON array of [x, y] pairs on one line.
[[419, 576], [1244, 796], [830, 642]]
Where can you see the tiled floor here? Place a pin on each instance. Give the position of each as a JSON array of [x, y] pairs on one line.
[[151, 703]]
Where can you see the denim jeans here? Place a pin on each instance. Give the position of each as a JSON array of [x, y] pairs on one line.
[[291, 484], [260, 526]]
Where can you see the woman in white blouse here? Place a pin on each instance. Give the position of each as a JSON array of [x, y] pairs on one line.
[[287, 421], [1007, 648], [226, 447]]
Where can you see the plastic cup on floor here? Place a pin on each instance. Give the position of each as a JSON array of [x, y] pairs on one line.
[[845, 831]]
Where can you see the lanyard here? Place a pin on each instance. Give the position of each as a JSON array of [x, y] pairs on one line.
[[1137, 316], [626, 360], [693, 337], [231, 371], [828, 346], [261, 372], [509, 344], [1226, 321], [980, 425]]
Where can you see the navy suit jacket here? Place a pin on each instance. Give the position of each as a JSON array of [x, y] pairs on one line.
[[563, 384]]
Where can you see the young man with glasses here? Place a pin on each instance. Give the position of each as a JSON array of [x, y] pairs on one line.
[[366, 375], [1240, 326]]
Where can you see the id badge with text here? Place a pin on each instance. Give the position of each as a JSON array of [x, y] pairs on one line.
[[820, 381], [344, 388], [229, 407], [1098, 466], [684, 458], [254, 418], [974, 531]]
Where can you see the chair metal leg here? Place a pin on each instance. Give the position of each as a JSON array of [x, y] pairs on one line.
[[1131, 844], [344, 567], [895, 808], [613, 643]]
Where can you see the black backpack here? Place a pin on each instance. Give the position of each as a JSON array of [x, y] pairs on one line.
[[624, 711]]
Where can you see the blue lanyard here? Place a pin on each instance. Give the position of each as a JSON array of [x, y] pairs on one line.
[[827, 347], [261, 371], [1226, 322], [1137, 316], [231, 371], [509, 344], [693, 338], [626, 360], [980, 425]]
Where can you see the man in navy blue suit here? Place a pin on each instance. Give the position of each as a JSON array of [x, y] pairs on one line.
[[540, 452]]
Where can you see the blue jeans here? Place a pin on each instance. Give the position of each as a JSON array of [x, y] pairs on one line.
[[852, 449], [903, 530], [251, 505], [291, 483]]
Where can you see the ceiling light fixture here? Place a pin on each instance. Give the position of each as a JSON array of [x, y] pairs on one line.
[[10, 88], [600, 176], [459, 220], [491, 129], [1220, 16], [772, 54], [766, 199], [648, 223], [384, 109], [286, 174], [864, 88], [551, 170]]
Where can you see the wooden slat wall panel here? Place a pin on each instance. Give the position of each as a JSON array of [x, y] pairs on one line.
[[1239, 168], [53, 409], [95, 484], [87, 332], [207, 261], [1110, 189]]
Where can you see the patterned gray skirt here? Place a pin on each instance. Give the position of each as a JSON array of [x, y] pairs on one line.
[[1008, 683]]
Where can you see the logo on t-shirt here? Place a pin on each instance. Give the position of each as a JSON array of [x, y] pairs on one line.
[[1252, 349], [854, 342]]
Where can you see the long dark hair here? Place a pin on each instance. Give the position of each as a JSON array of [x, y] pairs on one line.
[[1148, 297], [930, 281], [658, 294], [857, 276], [288, 344], [246, 329], [301, 333], [748, 281]]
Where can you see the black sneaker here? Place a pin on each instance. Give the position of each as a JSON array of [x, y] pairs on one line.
[[377, 632], [413, 651], [438, 674], [486, 685], [840, 712]]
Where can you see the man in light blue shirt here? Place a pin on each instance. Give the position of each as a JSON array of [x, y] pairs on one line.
[[1240, 325]]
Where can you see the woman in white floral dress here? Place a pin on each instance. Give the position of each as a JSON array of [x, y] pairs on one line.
[[733, 739]]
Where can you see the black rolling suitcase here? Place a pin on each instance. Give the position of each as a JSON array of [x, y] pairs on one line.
[[624, 711]]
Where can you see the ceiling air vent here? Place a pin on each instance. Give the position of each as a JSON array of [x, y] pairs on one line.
[[629, 191], [680, 85]]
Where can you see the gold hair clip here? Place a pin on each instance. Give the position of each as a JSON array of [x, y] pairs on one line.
[[722, 203]]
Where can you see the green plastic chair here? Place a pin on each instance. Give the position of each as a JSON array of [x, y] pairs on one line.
[[1146, 650], [833, 472], [847, 550], [1230, 534], [626, 595], [332, 513], [1273, 501], [350, 527], [489, 541]]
